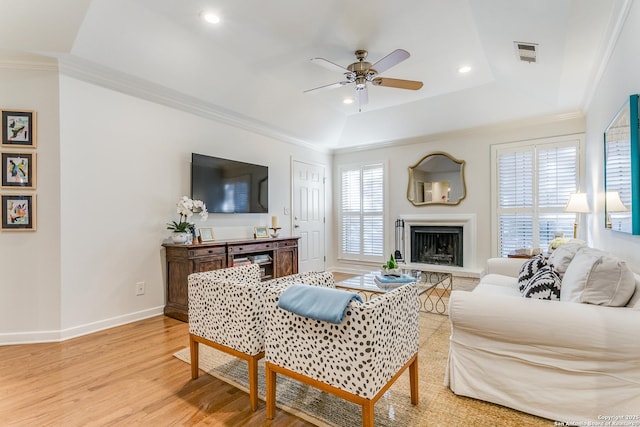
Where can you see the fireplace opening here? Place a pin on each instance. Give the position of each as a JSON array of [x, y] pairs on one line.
[[436, 245]]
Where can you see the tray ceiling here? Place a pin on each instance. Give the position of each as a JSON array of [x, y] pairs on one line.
[[255, 65]]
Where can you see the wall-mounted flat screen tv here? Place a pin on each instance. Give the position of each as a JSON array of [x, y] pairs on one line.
[[229, 186]]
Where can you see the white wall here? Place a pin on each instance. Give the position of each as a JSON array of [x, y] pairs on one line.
[[30, 261], [111, 169], [620, 79], [125, 162], [472, 146]]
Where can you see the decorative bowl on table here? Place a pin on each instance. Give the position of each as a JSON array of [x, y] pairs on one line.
[[392, 278]]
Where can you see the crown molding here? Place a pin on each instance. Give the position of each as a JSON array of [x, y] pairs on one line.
[[488, 129], [27, 62], [620, 18], [99, 75]]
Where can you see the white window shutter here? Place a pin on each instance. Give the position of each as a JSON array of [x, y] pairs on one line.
[[534, 184], [362, 212]]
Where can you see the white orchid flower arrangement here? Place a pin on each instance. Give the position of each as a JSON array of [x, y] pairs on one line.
[[186, 208]]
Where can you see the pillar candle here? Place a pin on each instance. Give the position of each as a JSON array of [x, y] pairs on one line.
[[274, 222]]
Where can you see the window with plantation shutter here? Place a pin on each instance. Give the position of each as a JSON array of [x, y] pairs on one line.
[[362, 212], [533, 183]]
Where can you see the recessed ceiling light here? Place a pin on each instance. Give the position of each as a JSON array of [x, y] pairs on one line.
[[347, 101], [464, 69], [210, 17]]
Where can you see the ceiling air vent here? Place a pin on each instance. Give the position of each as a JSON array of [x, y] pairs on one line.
[[526, 52]]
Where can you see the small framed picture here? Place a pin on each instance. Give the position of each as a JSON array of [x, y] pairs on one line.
[[19, 170], [260, 232], [206, 234], [19, 129], [18, 212]]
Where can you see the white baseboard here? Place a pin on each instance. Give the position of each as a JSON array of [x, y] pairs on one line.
[[33, 337]]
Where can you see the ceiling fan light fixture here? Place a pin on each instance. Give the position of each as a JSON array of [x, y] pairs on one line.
[[363, 72]]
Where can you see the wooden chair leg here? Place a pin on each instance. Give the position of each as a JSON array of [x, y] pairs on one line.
[[270, 378], [253, 383], [413, 381], [367, 414], [195, 358]]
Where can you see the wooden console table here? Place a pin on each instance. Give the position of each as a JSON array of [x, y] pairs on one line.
[[277, 257]]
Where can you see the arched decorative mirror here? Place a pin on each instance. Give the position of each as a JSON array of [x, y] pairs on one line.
[[437, 179], [622, 170]]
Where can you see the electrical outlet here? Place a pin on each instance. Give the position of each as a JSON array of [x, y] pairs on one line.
[[140, 288]]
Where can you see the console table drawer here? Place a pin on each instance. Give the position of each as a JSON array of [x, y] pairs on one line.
[[251, 247], [287, 243], [200, 252]]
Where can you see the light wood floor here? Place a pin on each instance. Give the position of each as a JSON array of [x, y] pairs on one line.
[[124, 376]]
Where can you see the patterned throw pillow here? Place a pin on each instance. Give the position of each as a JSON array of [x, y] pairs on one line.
[[545, 284], [528, 269]]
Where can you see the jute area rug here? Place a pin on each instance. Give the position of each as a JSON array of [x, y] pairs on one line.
[[438, 405]]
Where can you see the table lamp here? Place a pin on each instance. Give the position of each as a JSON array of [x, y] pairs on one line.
[[577, 204], [613, 204]]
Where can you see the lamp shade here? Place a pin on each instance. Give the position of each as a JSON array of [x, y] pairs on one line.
[[614, 204], [578, 203]]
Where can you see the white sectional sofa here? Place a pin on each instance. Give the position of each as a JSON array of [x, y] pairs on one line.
[[576, 359]]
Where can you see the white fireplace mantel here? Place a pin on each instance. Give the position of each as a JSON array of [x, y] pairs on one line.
[[469, 233]]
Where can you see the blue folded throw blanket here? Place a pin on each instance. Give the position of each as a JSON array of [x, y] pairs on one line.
[[317, 302]]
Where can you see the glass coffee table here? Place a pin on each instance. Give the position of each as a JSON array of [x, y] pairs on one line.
[[433, 288]]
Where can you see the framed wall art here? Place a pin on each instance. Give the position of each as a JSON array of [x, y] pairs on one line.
[[18, 129], [18, 212], [260, 232], [18, 170], [206, 234]]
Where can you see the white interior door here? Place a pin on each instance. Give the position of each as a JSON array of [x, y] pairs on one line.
[[308, 215]]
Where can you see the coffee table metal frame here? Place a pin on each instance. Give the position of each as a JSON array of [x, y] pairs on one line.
[[432, 288]]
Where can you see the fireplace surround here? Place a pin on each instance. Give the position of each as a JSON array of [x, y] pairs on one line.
[[441, 259]]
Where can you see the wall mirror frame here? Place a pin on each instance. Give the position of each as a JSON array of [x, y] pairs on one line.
[[622, 170], [437, 179]]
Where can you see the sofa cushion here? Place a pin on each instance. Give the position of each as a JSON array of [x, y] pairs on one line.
[[528, 269], [545, 284], [596, 277], [492, 288], [500, 280], [634, 301], [561, 257]]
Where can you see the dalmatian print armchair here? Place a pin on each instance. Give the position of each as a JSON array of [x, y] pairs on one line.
[[226, 312], [357, 360]]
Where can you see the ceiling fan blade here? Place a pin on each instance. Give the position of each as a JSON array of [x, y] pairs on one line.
[[397, 83], [362, 96], [329, 65], [330, 86], [394, 58]]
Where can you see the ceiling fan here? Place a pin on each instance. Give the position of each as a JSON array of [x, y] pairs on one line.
[[361, 72]]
